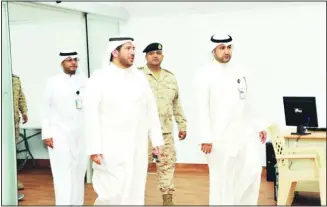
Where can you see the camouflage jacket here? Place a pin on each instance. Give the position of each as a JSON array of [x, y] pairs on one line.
[[18, 98], [166, 91]]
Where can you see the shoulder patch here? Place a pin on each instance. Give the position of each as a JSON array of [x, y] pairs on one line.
[[15, 76], [168, 71]]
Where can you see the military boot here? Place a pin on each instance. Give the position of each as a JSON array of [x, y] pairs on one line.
[[20, 185], [20, 196], [168, 200]]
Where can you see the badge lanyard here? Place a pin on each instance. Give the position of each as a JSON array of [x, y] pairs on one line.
[[242, 90]]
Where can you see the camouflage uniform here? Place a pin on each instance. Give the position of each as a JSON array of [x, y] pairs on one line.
[[166, 92], [19, 102], [19, 106]]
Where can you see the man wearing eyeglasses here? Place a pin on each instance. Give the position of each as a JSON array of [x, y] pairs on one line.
[[62, 127], [165, 88]]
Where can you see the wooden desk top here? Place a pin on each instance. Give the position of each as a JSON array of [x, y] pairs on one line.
[[314, 135]]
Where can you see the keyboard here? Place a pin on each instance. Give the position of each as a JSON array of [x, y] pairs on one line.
[[316, 129]]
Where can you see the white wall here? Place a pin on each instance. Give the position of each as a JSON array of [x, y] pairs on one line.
[[38, 33], [100, 29], [284, 46]]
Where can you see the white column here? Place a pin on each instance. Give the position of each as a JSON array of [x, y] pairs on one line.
[[8, 147]]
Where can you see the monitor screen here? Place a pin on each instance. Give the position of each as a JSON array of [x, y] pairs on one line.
[[300, 111]]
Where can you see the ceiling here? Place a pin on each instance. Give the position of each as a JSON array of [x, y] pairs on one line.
[[146, 9]]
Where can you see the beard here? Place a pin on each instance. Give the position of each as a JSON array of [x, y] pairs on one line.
[[125, 61]]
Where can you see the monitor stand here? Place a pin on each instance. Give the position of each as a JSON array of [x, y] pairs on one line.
[[300, 130]]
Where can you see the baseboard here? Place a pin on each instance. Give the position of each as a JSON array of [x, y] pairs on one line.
[[38, 164], [184, 167], [180, 167]]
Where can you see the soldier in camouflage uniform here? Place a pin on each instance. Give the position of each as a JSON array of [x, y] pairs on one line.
[[165, 89], [19, 106]]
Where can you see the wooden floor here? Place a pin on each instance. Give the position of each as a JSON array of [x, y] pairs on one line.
[[191, 189]]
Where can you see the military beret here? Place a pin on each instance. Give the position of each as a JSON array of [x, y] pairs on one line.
[[153, 47]]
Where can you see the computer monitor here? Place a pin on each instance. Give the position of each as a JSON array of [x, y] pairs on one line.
[[300, 112]]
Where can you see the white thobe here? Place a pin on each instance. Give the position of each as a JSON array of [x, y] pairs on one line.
[[120, 114], [227, 120], [63, 122]]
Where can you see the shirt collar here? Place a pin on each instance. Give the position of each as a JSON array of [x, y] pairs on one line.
[[147, 70]]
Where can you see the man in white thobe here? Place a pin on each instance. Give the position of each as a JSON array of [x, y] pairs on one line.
[[120, 114], [62, 130], [228, 128]]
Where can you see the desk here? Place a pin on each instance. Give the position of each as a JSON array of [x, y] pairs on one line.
[[315, 139], [25, 139]]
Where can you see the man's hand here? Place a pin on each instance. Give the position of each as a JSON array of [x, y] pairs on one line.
[[206, 148], [155, 153], [157, 150], [48, 142], [97, 158], [263, 136], [25, 118], [182, 135]]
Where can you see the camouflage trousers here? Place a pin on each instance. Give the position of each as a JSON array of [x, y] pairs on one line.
[[17, 129], [166, 166]]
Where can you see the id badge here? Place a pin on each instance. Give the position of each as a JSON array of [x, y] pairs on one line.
[[242, 88], [241, 92], [79, 104]]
